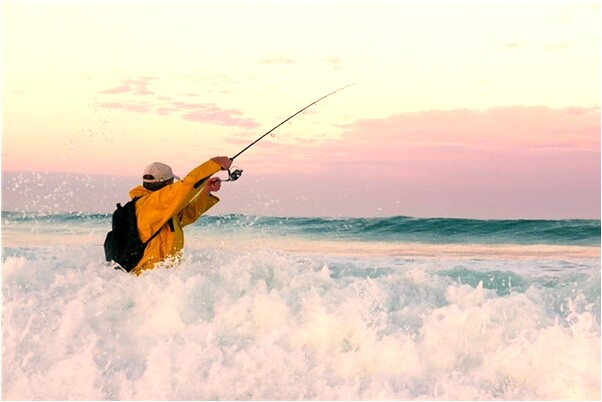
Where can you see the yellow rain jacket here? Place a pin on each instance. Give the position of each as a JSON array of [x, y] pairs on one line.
[[168, 210]]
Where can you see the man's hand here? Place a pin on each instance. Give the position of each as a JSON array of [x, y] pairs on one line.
[[223, 161], [214, 184]]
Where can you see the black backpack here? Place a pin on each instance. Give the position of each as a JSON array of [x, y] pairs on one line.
[[122, 244]]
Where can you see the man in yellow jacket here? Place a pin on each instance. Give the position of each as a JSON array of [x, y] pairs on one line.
[[165, 206]]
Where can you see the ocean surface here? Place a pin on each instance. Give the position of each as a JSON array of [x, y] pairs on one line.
[[305, 308]]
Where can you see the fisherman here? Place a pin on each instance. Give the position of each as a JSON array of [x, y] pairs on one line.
[[167, 204], [148, 229]]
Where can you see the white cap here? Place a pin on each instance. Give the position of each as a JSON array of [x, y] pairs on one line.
[[158, 172]]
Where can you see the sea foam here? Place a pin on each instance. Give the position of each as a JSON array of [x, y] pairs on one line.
[[270, 323]]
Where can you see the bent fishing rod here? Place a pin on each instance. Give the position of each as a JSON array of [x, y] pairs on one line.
[[235, 174]]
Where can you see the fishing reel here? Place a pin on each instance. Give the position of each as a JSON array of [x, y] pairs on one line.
[[234, 175]]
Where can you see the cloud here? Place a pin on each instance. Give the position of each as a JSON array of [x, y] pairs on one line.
[[122, 89], [456, 135], [335, 62], [134, 87], [446, 148], [505, 161], [215, 115], [278, 60], [128, 106], [558, 46], [495, 128], [513, 149], [209, 113]]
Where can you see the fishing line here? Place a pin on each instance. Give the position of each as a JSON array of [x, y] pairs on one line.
[[236, 173]]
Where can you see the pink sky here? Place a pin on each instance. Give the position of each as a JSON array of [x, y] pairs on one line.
[[499, 163], [492, 113], [513, 162]]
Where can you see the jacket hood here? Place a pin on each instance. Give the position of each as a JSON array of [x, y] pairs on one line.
[[139, 192]]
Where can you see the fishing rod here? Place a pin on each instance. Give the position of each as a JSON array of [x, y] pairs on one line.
[[235, 174]]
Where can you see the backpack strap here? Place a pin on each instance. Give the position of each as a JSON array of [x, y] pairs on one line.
[[152, 237]]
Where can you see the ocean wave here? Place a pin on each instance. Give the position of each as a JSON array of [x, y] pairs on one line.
[[425, 230], [391, 229]]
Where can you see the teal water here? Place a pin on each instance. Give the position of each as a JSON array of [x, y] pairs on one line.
[[391, 229], [427, 230]]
